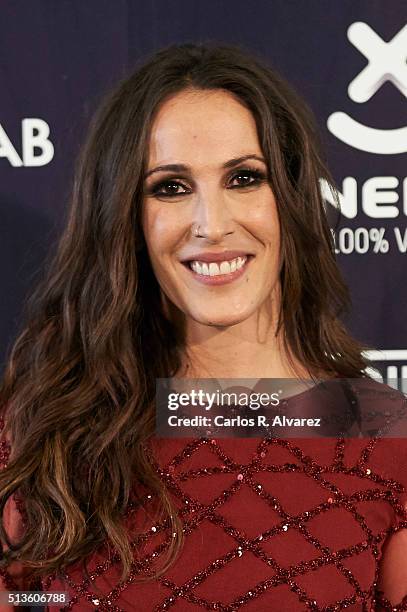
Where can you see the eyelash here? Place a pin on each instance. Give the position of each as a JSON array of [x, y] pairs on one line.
[[258, 176]]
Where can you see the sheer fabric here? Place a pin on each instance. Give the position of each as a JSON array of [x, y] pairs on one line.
[[269, 524]]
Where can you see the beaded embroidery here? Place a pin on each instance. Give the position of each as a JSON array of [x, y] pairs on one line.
[[194, 513]]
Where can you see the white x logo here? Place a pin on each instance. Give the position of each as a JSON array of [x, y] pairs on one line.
[[387, 61]]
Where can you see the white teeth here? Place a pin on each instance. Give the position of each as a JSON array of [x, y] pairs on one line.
[[196, 266], [215, 269], [224, 267]]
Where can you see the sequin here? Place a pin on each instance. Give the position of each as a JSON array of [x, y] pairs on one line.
[[194, 514]]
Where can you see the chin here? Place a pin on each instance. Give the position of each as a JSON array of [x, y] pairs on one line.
[[220, 320]]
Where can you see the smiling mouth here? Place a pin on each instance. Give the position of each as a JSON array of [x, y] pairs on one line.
[[218, 272]]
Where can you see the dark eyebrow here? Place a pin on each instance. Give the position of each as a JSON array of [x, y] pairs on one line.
[[183, 168]]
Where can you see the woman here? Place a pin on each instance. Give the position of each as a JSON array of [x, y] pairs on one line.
[[204, 155]]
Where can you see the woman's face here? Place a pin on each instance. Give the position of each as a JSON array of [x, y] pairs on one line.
[[206, 170]]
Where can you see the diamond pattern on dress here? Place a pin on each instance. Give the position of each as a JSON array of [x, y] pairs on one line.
[[248, 545], [260, 553]]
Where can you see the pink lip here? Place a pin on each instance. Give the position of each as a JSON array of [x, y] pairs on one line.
[[208, 256], [220, 279]]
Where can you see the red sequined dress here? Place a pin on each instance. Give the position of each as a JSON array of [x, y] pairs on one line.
[[270, 524]]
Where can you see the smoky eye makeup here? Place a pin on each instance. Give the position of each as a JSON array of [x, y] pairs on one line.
[[175, 186]]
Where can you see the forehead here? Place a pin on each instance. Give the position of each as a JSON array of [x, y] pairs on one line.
[[194, 125]]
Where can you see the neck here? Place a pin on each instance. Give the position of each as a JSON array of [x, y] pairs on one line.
[[249, 349]]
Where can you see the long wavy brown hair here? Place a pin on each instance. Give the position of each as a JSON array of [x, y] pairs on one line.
[[78, 391]]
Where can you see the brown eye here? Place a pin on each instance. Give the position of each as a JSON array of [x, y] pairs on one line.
[[169, 189], [247, 177]]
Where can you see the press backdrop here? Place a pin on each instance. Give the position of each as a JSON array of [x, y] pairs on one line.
[[348, 59]]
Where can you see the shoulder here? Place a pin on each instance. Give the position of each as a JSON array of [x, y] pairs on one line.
[[382, 409], [372, 388]]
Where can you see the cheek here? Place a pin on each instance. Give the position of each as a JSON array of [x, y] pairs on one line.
[[159, 228], [263, 222], [164, 229]]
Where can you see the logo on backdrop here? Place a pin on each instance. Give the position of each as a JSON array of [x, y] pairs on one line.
[[378, 197], [36, 147], [391, 367], [386, 62]]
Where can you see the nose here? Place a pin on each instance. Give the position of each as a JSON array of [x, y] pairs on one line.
[[212, 216]]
